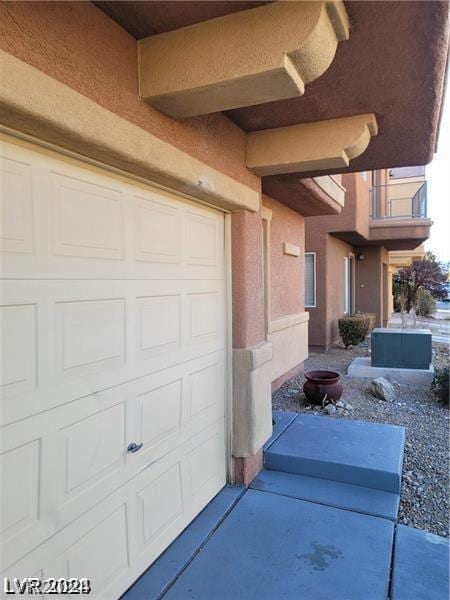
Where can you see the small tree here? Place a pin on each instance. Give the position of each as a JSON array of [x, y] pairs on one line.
[[427, 274]]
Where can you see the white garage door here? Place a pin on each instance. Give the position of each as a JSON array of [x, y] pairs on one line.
[[113, 316]]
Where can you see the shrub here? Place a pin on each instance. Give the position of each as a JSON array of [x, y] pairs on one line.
[[370, 321], [425, 303], [353, 329], [441, 384]]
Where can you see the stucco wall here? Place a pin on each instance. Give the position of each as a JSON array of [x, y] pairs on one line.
[[337, 250], [316, 241], [371, 281], [323, 319], [354, 217], [77, 44], [247, 279], [287, 287]]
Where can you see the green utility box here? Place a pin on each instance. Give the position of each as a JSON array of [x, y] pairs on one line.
[[401, 348]]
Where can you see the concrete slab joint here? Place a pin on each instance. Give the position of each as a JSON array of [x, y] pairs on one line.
[[307, 147], [250, 57], [252, 403]]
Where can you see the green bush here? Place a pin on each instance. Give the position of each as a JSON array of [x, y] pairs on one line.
[[370, 321], [441, 384], [353, 329], [425, 303]]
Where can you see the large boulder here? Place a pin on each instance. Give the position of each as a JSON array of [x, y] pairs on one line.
[[383, 389]]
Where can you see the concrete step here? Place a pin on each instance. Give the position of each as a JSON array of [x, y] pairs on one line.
[[330, 493], [420, 566], [354, 452], [281, 420]]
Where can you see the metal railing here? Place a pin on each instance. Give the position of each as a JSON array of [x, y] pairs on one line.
[[399, 201]]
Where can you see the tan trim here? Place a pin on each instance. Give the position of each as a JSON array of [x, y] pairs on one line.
[[291, 249], [309, 146], [333, 188], [212, 66], [266, 225], [400, 222], [252, 401], [266, 213], [287, 322], [33, 103]]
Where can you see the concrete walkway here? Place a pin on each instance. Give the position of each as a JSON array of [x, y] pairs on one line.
[[439, 325], [318, 523]]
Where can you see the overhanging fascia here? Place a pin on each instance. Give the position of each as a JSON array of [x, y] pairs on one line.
[[309, 146], [37, 105], [250, 57]]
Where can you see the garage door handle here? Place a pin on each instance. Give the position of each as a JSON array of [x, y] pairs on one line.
[[133, 447]]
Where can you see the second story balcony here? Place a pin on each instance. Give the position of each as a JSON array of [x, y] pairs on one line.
[[398, 216], [406, 200]]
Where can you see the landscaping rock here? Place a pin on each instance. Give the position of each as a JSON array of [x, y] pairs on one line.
[[340, 404], [426, 421], [329, 409], [383, 389]]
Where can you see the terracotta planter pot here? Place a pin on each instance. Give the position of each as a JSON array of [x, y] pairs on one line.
[[319, 383]]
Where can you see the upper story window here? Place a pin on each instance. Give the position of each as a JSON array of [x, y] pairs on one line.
[[310, 279]]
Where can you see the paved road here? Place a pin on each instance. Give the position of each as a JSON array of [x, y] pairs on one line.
[[445, 306]]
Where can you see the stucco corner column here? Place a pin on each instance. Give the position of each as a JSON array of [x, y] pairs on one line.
[[252, 354]]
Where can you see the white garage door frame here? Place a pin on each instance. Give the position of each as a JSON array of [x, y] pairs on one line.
[[33, 144]]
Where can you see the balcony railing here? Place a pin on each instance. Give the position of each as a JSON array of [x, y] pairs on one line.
[[399, 201]]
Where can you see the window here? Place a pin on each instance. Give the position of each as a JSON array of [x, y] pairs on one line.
[[347, 280], [364, 175], [310, 279]]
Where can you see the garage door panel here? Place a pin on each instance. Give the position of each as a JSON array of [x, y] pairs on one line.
[[88, 338], [113, 317], [203, 321], [97, 545], [102, 552], [203, 239], [16, 206], [164, 410], [158, 325], [75, 222], [118, 538], [161, 415], [19, 361], [161, 504], [93, 446], [20, 467], [87, 218], [202, 463], [157, 231]]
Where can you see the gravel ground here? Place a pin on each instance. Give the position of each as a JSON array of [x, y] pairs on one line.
[[425, 484]]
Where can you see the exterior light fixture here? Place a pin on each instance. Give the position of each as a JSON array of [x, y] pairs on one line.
[[360, 256]]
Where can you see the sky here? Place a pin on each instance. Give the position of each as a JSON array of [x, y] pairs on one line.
[[438, 177]]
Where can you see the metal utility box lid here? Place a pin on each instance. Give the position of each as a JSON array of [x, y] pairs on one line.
[[401, 348]]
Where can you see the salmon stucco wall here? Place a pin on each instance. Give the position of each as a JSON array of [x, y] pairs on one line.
[[78, 45], [354, 217], [287, 287], [247, 279], [370, 276], [323, 318], [337, 251]]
